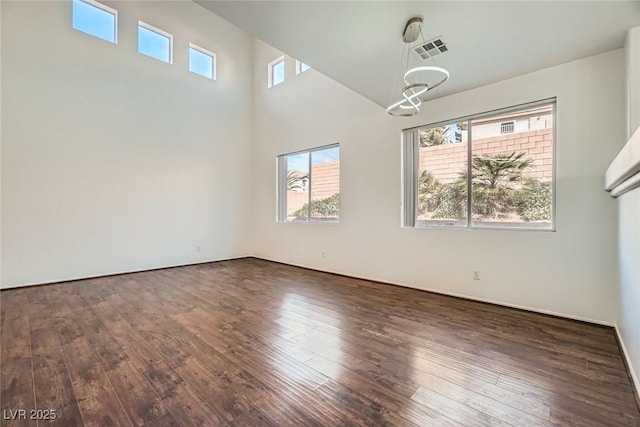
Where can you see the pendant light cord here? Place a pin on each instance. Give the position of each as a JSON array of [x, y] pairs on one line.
[[395, 81]]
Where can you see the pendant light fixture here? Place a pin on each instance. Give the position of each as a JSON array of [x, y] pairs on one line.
[[418, 80]]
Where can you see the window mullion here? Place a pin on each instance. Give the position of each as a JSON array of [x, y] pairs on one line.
[[310, 184], [282, 188], [416, 174], [469, 173], [511, 155]]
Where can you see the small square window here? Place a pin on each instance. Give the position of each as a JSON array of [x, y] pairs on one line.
[[276, 72], [96, 19], [202, 62], [301, 67], [154, 42]]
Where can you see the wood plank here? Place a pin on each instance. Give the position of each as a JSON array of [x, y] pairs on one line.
[[249, 342], [98, 402], [166, 420], [456, 410], [16, 389], [479, 402], [181, 400], [356, 409], [383, 394], [138, 398], [54, 391], [283, 413], [223, 399], [15, 331], [252, 418]]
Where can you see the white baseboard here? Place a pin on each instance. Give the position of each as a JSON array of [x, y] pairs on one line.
[[451, 294], [116, 273], [627, 358]]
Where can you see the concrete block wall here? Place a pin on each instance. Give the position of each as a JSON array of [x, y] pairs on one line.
[[445, 162]]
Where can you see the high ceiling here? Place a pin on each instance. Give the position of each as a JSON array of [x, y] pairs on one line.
[[359, 43]]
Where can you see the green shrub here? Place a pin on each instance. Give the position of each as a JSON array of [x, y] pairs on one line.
[[534, 201], [429, 192], [327, 207], [452, 201], [496, 181]]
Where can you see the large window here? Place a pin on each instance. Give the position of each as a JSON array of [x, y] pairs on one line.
[[309, 185], [492, 170], [96, 19], [154, 42]]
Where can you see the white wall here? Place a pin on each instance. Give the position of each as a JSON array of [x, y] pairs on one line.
[[572, 272], [113, 161], [629, 299], [628, 321], [632, 44]]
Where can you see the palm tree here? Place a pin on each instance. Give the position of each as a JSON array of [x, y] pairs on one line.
[[429, 190], [496, 180]]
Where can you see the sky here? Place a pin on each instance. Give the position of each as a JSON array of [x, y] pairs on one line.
[[278, 72], [153, 44], [304, 67], [200, 63], [300, 161], [100, 23], [92, 20]]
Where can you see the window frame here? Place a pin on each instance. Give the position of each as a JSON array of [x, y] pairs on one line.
[[104, 8], [281, 185], [299, 65], [410, 170], [270, 74], [160, 32], [214, 64]]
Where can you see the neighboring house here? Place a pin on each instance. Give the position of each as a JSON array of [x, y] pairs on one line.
[[522, 121], [302, 180], [529, 131]]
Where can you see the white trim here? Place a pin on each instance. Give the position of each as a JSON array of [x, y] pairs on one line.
[[160, 33], [625, 354], [107, 9], [270, 66], [626, 186], [281, 189], [214, 68], [100, 6], [451, 294], [521, 108], [624, 167], [281, 181], [299, 69], [117, 273]]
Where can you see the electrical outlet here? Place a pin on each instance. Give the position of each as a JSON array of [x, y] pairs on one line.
[[476, 275], [197, 248], [322, 254]]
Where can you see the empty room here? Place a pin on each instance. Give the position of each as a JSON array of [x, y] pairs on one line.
[[320, 213]]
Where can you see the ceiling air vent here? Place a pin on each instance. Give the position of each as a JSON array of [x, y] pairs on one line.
[[431, 48]]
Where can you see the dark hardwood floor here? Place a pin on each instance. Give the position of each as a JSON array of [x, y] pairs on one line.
[[255, 343]]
